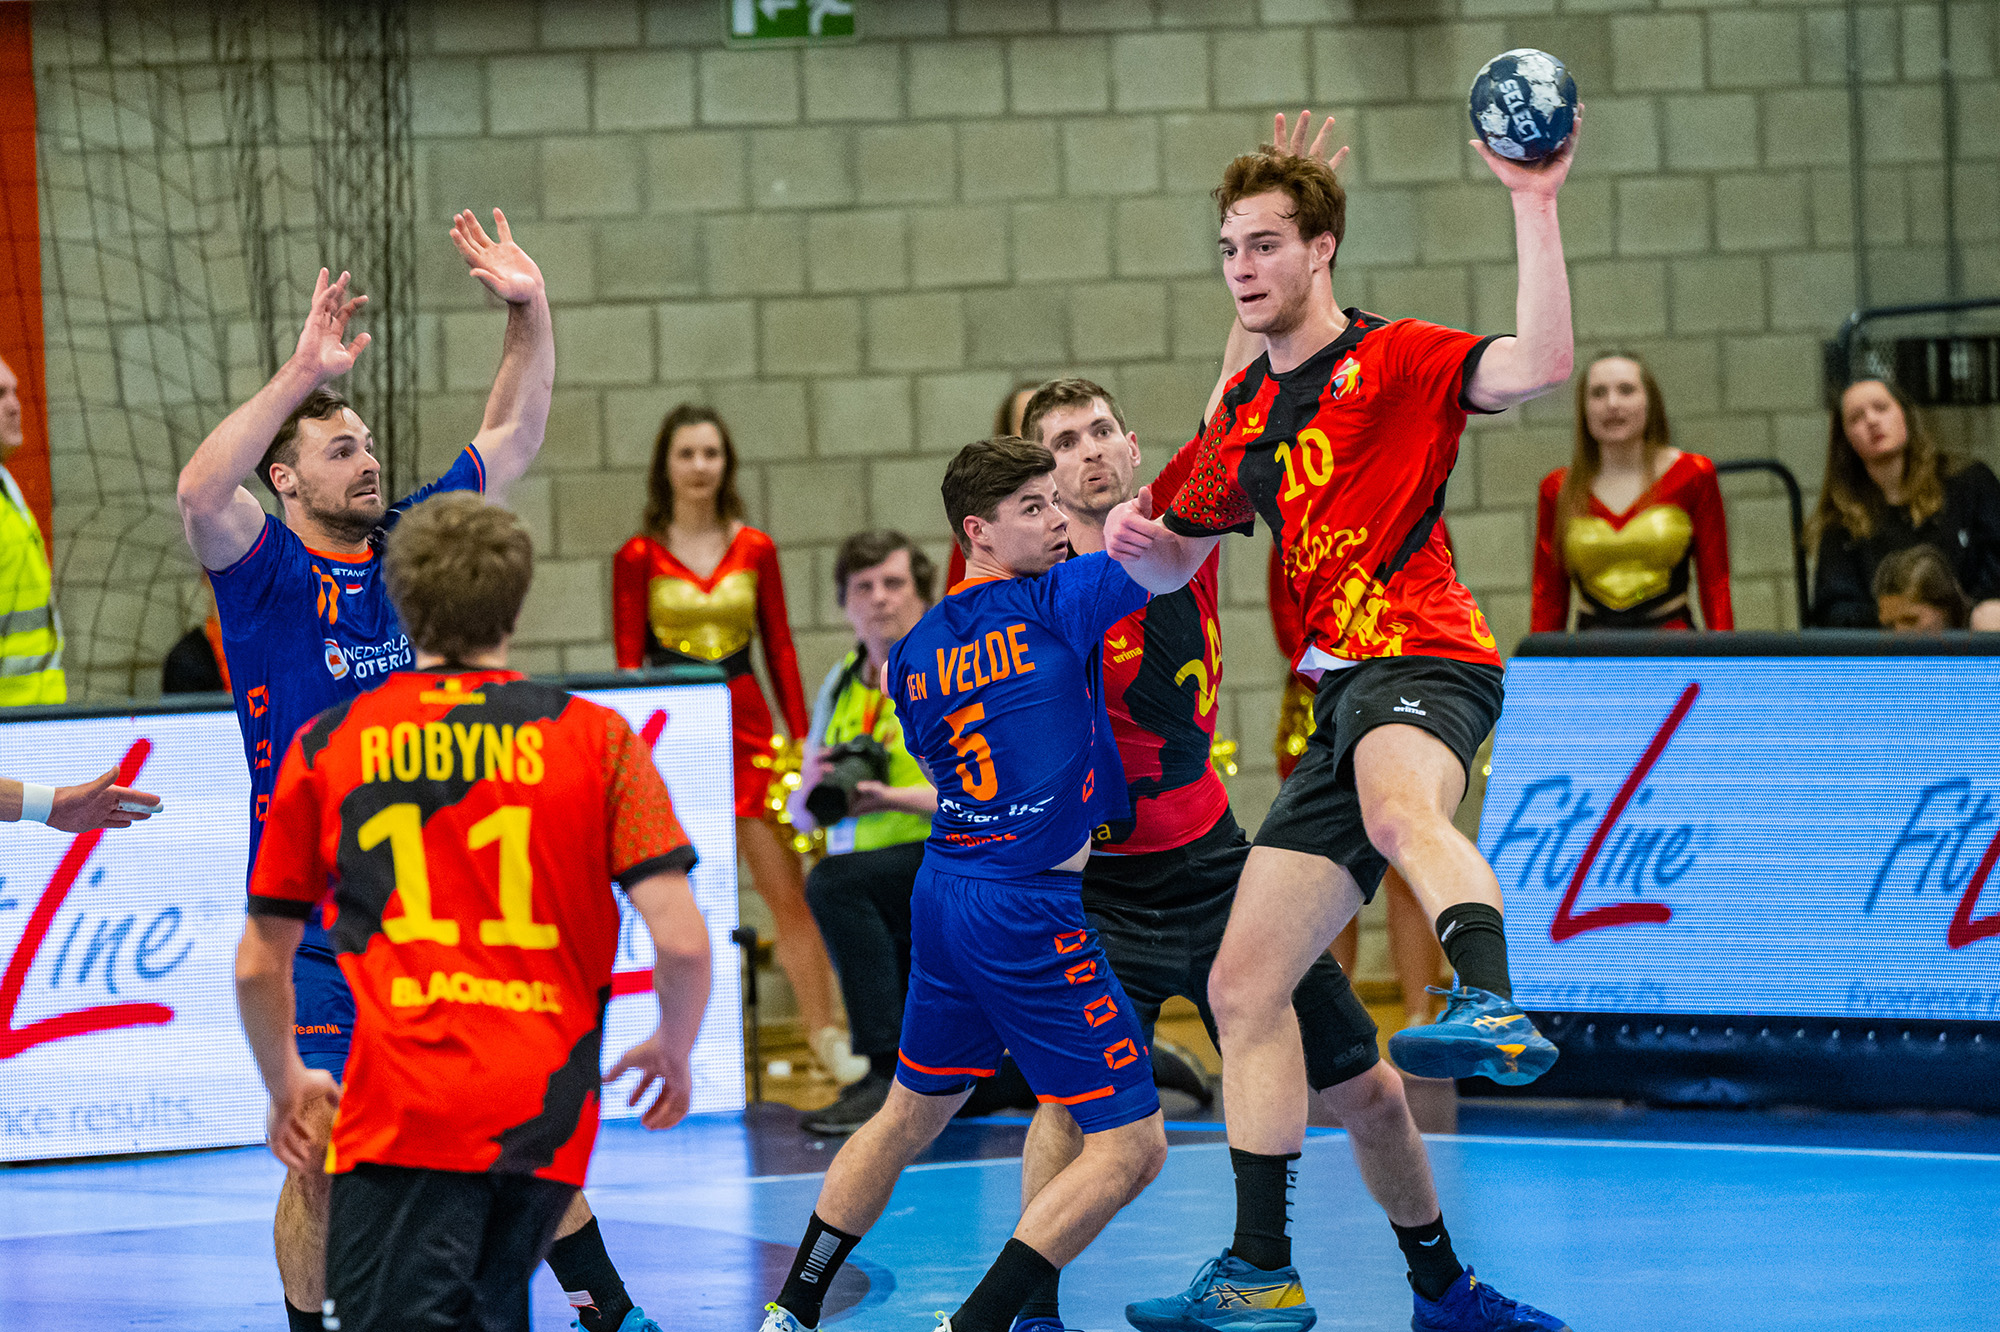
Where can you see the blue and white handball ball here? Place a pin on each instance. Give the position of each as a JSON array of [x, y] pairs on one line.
[[1523, 104]]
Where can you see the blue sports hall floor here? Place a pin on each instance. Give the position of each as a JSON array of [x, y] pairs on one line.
[[1619, 1219]]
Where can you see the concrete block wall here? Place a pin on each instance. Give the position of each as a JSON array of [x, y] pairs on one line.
[[854, 251]]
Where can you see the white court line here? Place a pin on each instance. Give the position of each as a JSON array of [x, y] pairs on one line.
[[1748, 1148], [1489, 1140]]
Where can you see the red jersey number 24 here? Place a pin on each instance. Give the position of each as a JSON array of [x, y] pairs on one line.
[[976, 774]]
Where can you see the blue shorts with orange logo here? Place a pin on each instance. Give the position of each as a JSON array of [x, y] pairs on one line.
[[323, 1010], [1014, 967]]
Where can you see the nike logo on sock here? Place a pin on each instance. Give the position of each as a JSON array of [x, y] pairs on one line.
[[1449, 930], [1430, 1243]]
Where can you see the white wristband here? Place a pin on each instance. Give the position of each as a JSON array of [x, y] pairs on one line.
[[37, 802]]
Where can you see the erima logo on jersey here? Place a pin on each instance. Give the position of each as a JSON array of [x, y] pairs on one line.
[[1410, 705], [1346, 378], [336, 660]]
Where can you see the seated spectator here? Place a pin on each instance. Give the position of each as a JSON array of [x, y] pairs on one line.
[[1624, 521], [1887, 489], [1915, 593], [860, 893]]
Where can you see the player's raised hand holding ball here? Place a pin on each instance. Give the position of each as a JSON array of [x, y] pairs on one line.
[[1525, 108]]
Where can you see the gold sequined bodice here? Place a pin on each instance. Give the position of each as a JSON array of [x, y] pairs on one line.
[[706, 625], [1622, 566]]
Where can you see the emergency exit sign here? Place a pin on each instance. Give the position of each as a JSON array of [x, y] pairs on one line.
[[754, 21]]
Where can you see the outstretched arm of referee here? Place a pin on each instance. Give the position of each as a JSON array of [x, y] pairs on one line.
[[222, 518], [1539, 356], [517, 410], [83, 808]]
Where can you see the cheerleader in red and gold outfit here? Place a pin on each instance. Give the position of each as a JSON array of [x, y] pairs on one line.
[[1623, 522], [697, 585]]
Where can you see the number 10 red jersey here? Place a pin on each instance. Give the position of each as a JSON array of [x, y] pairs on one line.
[[1345, 457]]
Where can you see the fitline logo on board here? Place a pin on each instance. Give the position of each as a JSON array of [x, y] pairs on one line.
[[1638, 849], [83, 1021]]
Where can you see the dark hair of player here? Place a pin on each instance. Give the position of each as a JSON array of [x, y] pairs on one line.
[[1919, 573], [660, 485], [1003, 415], [865, 550], [1319, 204], [985, 472], [322, 404], [457, 569], [1065, 393], [1588, 458], [1849, 498]]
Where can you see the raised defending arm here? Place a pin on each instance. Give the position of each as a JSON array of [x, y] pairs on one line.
[[517, 410], [221, 517]]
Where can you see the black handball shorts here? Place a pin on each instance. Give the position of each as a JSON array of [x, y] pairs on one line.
[[437, 1249], [1160, 918], [1318, 810]]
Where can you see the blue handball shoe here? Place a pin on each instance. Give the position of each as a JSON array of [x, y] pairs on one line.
[[1229, 1295], [635, 1320], [1040, 1325], [1479, 1034], [1470, 1305]]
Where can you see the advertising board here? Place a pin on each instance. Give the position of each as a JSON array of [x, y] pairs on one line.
[[118, 1027], [1809, 836]]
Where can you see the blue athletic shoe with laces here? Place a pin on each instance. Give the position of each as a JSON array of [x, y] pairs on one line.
[[1229, 1295], [1041, 1325], [1479, 1034], [1470, 1305]]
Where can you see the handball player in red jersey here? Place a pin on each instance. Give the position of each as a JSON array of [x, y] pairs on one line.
[[1001, 694], [471, 824], [306, 623], [1341, 436], [1158, 889]]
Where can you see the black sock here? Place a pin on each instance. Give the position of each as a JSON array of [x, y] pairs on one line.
[[1017, 1273], [820, 1255], [1476, 946], [584, 1270], [299, 1320], [883, 1065], [1263, 1208], [1427, 1249], [1046, 1301]]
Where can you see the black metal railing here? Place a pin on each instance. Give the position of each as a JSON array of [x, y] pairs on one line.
[[1796, 499]]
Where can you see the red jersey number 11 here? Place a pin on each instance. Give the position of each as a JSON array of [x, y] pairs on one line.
[[401, 826]]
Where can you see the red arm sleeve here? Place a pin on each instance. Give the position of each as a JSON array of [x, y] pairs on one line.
[[774, 625], [1174, 475], [646, 837], [291, 876], [1207, 501], [1711, 549], [1287, 625], [1549, 613], [631, 579]]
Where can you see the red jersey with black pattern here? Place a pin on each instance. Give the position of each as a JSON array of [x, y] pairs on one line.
[[1346, 457], [471, 825], [1162, 673]]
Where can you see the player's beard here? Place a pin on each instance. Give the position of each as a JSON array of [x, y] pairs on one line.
[[348, 521], [1288, 314]]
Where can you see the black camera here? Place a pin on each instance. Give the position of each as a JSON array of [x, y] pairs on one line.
[[845, 766]]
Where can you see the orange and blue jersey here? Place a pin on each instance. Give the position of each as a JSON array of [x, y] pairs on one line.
[[303, 630], [1001, 691]]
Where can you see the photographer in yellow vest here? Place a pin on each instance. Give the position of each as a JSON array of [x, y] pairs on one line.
[[30, 635]]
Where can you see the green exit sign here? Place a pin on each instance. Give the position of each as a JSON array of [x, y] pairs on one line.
[[756, 21]]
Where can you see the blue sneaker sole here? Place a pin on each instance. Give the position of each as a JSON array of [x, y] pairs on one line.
[[1296, 1319], [1425, 1052]]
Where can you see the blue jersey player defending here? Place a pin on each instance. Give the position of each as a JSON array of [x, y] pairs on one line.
[[306, 623], [1001, 694]]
